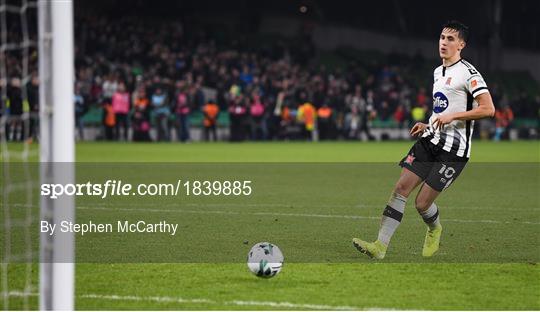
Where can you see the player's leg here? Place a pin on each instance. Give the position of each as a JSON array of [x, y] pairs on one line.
[[393, 212], [426, 207], [417, 166], [442, 175], [392, 215]]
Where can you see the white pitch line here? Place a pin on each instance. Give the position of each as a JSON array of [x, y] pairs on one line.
[[360, 206], [232, 302], [148, 298], [450, 207], [290, 305], [287, 214], [167, 299], [233, 213], [19, 293]]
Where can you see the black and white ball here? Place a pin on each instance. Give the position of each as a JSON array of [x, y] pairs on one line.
[[265, 260]]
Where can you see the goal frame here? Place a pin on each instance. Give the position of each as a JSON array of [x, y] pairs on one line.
[[57, 150]]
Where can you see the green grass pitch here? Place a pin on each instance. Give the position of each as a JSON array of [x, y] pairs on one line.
[[488, 259]]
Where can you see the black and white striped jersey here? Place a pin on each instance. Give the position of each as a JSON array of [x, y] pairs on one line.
[[454, 89]]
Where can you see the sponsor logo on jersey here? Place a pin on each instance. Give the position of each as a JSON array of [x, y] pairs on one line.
[[448, 81], [474, 83], [440, 102]]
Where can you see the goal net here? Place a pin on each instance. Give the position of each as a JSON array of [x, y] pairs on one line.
[[37, 142]]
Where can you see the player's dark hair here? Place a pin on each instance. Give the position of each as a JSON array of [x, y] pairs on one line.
[[462, 29]]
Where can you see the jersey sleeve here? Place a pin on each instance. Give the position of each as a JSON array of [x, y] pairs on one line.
[[475, 83]]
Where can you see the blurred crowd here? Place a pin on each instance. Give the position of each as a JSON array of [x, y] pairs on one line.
[[157, 81]]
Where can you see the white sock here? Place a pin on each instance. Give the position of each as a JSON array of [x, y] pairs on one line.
[[392, 215], [431, 216]]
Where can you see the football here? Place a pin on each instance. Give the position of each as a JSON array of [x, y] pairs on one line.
[[265, 260]]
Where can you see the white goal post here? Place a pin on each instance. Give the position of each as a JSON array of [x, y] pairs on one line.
[[57, 150]]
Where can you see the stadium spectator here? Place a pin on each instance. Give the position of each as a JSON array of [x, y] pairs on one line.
[[355, 98], [197, 94], [422, 98], [258, 118], [33, 103], [182, 110], [289, 129], [319, 95], [96, 90], [109, 86], [108, 119], [325, 122], [210, 112], [503, 120], [15, 102], [246, 77], [400, 116], [352, 124], [80, 110], [121, 107], [307, 116], [418, 114], [274, 120], [367, 113], [238, 117], [162, 112], [140, 119], [384, 111]]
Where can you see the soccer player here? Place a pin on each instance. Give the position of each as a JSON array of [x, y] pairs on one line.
[[460, 96]]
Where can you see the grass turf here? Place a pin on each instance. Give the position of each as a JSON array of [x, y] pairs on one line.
[[482, 151], [507, 276], [521, 151]]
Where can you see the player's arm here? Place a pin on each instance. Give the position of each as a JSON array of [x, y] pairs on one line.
[[484, 109]]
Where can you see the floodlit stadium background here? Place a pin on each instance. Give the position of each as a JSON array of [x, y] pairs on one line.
[[371, 64]]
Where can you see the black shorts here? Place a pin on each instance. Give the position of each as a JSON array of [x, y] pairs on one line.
[[437, 167]]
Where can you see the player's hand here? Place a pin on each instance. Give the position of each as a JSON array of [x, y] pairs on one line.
[[418, 129], [440, 121]]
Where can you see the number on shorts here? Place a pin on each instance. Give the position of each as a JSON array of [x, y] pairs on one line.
[[447, 171]]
